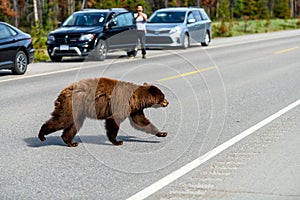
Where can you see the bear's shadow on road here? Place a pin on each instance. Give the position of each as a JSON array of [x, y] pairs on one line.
[[97, 140]]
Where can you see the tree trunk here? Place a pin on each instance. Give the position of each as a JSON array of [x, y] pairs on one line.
[[35, 11], [83, 4], [292, 8], [15, 6], [40, 7], [199, 3]]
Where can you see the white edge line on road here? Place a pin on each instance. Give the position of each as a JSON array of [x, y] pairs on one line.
[[202, 159], [251, 41], [37, 75]]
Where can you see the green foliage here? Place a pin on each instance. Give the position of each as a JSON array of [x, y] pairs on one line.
[[224, 10], [222, 29], [50, 18], [172, 3], [39, 39], [40, 55], [250, 9], [237, 9], [254, 9], [263, 10], [255, 26], [281, 9], [127, 4]]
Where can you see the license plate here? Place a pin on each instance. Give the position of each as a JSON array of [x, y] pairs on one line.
[[64, 47]]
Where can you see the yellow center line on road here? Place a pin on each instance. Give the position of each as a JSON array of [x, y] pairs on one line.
[[187, 74], [285, 50]]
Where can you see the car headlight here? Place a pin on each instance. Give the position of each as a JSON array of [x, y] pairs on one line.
[[176, 29], [51, 38], [87, 37]]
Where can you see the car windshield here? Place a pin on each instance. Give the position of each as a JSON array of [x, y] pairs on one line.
[[167, 17], [85, 19]]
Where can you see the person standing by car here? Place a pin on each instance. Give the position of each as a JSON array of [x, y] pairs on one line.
[[141, 19]]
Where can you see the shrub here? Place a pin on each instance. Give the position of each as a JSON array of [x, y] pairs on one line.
[[222, 29], [39, 43]]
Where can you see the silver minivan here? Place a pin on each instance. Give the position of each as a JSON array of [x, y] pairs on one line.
[[179, 27]]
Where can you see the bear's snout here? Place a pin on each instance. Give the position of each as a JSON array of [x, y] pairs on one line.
[[164, 103]]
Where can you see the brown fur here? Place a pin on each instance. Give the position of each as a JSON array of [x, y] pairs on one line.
[[103, 98]]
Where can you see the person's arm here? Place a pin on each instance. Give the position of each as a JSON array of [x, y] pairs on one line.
[[144, 16], [136, 15]]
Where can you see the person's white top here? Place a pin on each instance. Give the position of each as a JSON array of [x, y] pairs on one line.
[[140, 23]]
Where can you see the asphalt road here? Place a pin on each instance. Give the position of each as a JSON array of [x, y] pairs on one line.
[[215, 94]]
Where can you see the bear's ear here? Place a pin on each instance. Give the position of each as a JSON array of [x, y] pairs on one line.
[[145, 83], [153, 90]]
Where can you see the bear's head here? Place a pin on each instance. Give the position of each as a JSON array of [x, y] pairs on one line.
[[146, 96], [158, 96]]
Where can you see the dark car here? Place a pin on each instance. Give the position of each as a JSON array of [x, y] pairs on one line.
[[94, 32], [16, 50], [180, 27]]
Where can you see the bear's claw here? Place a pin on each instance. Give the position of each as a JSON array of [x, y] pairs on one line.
[[161, 134]]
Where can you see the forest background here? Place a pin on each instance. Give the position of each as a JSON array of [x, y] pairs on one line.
[[230, 17]]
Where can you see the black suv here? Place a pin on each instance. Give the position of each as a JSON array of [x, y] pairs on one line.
[[94, 32]]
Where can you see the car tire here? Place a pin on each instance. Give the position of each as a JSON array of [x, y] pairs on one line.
[[20, 63], [56, 58], [101, 50], [206, 40], [185, 41]]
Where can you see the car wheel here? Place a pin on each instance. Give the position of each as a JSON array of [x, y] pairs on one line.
[[206, 40], [56, 58], [101, 50], [20, 64], [186, 41]]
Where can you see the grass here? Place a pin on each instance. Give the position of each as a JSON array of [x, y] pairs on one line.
[[236, 28]]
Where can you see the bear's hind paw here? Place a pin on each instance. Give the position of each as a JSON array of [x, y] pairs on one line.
[[161, 134], [73, 144]]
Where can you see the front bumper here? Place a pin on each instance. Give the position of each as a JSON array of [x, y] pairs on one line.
[[79, 49], [163, 40], [73, 51]]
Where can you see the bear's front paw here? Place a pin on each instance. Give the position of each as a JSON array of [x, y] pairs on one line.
[[117, 143], [41, 137], [161, 134]]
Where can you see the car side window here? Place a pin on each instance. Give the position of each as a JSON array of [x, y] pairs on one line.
[[4, 32], [12, 31], [191, 18], [197, 15], [204, 15], [124, 19]]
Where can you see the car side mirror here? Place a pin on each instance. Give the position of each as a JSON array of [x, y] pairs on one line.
[[112, 23], [190, 21], [59, 24]]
